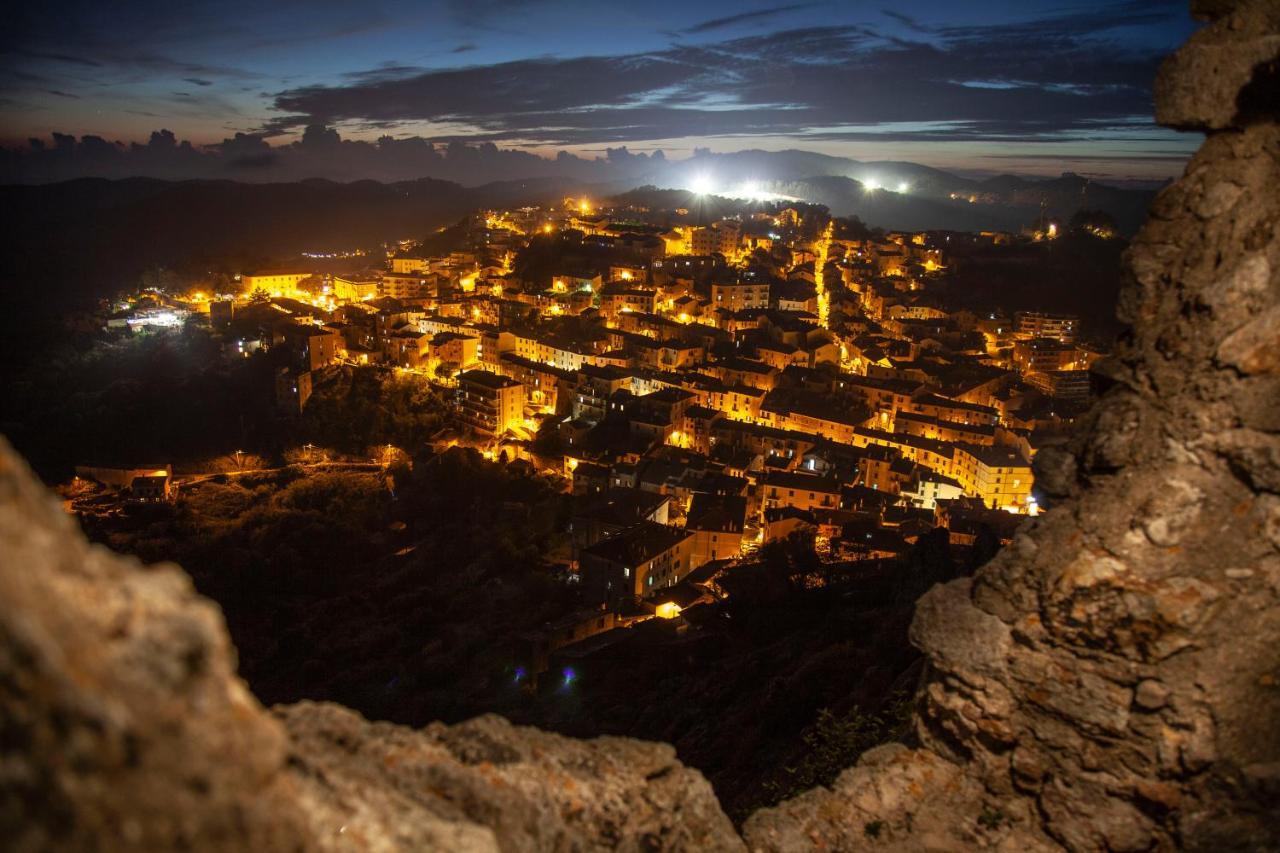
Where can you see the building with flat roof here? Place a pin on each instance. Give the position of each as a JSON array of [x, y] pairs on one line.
[[1039, 324], [489, 403], [274, 282], [637, 561]]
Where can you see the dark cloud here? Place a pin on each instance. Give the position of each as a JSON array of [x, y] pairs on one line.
[[906, 20], [463, 48], [197, 81], [1032, 80], [320, 152], [385, 72], [152, 62], [742, 17]]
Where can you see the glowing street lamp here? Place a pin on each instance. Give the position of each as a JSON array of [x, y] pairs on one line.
[[871, 184], [904, 187]]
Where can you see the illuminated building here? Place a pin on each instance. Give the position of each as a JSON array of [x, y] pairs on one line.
[[799, 490], [489, 403], [409, 286], [637, 562], [1038, 324], [274, 282], [617, 297], [1043, 355], [719, 238], [1068, 385], [408, 265], [313, 347], [717, 522], [998, 476], [455, 348], [548, 388], [354, 288], [740, 295]]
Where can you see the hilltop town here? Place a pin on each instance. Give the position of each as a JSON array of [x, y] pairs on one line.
[[580, 464], [704, 385]]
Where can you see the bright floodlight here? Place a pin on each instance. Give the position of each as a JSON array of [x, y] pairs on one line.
[[701, 185], [904, 187], [871, 184], [750, 190]]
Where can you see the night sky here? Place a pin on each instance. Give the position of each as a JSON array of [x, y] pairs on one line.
[[1033, 86]]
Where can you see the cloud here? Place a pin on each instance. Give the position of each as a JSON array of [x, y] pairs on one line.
[[742, 17], [197, 81], [463, 48], [385, 72], [906, 20], [320, 152], [1032, 80]]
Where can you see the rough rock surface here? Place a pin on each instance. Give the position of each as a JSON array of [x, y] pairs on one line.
[[122, 724], [486, 784], [1111, 681]]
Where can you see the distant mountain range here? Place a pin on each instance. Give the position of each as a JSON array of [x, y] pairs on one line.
[[95, 235], [910, 196]]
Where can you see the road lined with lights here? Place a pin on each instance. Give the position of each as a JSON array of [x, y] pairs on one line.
[[823, 246]]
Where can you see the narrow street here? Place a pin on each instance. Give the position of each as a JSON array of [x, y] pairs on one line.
[[819, 264]]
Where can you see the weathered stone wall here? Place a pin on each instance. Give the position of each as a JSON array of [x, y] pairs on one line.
[[1110, 681]]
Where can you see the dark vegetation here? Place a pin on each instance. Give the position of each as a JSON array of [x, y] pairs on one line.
[[408, 597], [354, 409], [104, 398], [149, 398], [1077, 273], [396, 596]]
